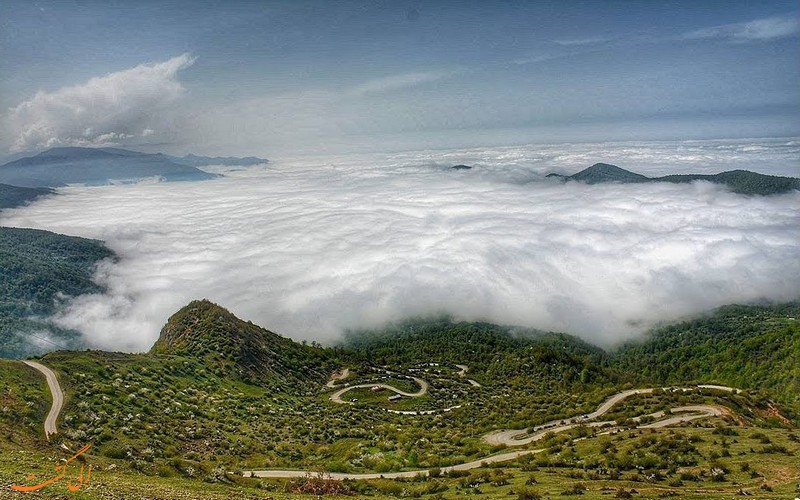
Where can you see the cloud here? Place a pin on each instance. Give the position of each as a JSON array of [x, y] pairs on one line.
[[597, 40], [311, 247], [396, 82], [752, 31], [105, 110]]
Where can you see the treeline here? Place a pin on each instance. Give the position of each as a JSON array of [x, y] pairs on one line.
[[477, 344]]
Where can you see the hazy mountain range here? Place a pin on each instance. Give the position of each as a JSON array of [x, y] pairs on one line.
[[96, 166]]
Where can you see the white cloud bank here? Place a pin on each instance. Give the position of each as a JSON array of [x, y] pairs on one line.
[[310, 247], [103, 111]]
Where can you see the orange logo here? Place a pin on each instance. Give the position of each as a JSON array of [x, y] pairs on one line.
[[62, 471]]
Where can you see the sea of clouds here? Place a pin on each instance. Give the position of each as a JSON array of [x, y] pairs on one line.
[[309, 247]]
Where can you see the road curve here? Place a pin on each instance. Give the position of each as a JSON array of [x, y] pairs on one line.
[[58, 397], [336, 397], [338, 376], [512, 437]]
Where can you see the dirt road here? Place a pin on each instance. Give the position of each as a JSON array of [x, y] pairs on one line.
[[520, 437], [336, 397], [58, 397]]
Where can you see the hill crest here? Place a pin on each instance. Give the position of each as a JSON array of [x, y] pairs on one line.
[[738, 181], [232, 347]]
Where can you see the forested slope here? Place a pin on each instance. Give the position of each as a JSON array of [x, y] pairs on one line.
[[40, 268]]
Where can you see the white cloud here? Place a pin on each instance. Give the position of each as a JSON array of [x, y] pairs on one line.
[[757, 30], [105, 110], [308, 248]]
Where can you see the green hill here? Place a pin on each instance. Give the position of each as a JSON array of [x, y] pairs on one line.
[[754, 347], [235, 348], [217, 395], [39, 268]]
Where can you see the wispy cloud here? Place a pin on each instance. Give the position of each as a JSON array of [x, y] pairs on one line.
[[577, 42], [399, 81], [104, 110], [752, 31]]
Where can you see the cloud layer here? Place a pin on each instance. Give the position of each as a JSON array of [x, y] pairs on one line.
[[311, 247], [103, 111]]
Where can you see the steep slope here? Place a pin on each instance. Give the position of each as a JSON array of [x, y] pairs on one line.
[[39, 268], [235, 348], [61, 166]]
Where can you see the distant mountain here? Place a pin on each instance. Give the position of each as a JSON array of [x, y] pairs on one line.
[[739, 181], [204, 161], [61, 166], [38, 268], [14, 196], [603, 172], [235, 348]]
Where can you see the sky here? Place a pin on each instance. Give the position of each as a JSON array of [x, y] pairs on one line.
[[317, 77]]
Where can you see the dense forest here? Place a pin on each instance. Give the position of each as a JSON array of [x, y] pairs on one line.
[[41, 269]]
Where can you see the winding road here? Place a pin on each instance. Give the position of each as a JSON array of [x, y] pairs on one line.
[[337, 376], [522, 437], [58, 397], [336, 397]]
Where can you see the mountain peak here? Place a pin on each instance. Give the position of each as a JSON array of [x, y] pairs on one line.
[[235, 348], [605, 172]]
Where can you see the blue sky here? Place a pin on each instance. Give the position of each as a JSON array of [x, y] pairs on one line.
[[318, 76]]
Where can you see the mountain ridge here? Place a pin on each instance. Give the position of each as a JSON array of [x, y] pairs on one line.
[[57, 167], [738, 181]]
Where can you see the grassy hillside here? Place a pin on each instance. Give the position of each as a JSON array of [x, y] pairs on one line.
[[756, 347], [40, 268], [217, 395]]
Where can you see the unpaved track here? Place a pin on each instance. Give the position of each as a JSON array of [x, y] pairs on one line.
[[514, 437], [336, 397], [58, 397], [463, 373], [338, 376]]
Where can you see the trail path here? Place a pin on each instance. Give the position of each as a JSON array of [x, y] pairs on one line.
[[463, 373], [336, 397], [338, 376], [521, 437], [58, 397]]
